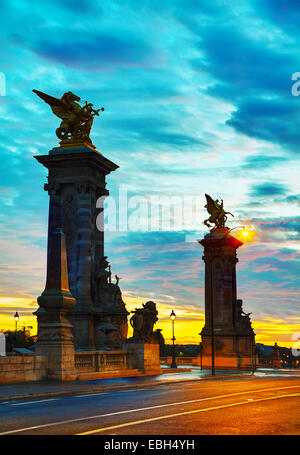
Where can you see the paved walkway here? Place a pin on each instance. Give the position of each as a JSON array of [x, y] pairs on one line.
[[47, 388]]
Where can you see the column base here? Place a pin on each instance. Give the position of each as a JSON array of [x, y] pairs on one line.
[[61, 360], [143, 356], [231, 351]]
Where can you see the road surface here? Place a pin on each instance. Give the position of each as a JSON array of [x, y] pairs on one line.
[[267, 404]]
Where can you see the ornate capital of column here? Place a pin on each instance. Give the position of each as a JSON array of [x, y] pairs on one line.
[[52, 188], [82, 187], [217, 244], [91, 188]]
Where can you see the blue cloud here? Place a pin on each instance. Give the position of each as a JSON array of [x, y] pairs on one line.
[[257, 162], [156, 130], [77, 7], [280, 223], [284, 13], [88, 50], [255, 75], [269, 120], [267, 189], [293, 199]]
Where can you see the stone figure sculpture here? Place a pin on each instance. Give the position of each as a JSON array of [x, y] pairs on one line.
[[143, 321], [217, 213], [242, 318], [108, 298], [101, 275], [76, 121], [107, 294]]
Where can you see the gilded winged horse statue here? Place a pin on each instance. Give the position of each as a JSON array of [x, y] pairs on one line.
[[76, 121], [217, 213]]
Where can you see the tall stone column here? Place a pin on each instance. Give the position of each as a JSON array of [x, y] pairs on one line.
[[55, 339], [233, 333], [76, 180]]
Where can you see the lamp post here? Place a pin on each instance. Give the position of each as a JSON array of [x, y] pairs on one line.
[[16, 317], [216, 242], [253, 356], [201, 349], [213, 371], [173, 317], [236, 227]]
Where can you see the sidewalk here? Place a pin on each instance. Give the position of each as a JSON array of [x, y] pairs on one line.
[[168, 376]]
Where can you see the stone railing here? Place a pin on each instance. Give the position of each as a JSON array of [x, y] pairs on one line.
[[100, 361], [180, 360], [22, 368]]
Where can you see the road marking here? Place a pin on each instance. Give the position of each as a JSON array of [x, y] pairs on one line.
[[81, 419], [105, 393], [30, 402], [179, 414], [133, 390], [90, 395]]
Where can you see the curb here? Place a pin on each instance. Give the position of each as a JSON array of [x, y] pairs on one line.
[[112, 388]]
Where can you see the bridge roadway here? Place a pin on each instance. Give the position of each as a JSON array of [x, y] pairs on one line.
[[266, 404]]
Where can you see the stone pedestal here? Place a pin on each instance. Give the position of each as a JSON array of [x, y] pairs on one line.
[[144, 357], [76, 182], [234, 338], [230, 351], [55, 339]]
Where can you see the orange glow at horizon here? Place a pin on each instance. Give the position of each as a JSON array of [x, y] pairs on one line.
[[24, 306], [188, 325]]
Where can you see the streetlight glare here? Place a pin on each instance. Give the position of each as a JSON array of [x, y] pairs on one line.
[[16, 317], [246, 235], [173, 316]]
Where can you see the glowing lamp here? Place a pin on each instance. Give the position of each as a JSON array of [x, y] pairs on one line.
[[172, 316], [16, 318], [246, 235]]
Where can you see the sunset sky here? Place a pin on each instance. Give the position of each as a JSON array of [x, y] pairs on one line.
[[198, 99]]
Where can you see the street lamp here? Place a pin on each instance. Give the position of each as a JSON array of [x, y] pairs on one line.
[[16, 317], [253, 356], [201, 350], [173, 317], [245, 233]]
